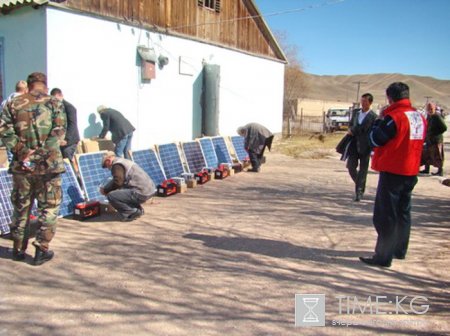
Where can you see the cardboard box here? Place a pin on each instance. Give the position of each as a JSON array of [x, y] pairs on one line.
[[231, 172], [181, 188], [211, 176], [191, 183], [97, 145], [3, 158]]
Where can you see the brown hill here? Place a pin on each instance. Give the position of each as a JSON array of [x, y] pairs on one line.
[[344, 88]]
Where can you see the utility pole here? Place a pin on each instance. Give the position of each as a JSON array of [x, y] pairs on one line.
[[428, 99], [357, 91]]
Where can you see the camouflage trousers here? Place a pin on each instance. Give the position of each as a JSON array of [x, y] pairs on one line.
[[46, 189]]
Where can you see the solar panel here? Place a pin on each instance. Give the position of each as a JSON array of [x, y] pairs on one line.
[[171, 160], [6, 207], [239, 147], [92, 174], [221, 149], [71, 191], [208, 151], [194, 156], [149, 161]]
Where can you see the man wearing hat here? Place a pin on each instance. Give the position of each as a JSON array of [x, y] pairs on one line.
[[129, 188], [120, 128], [257, 138]]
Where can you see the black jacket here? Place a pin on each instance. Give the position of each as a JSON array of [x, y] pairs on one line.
[[72, 134], [436, 127], [116, 123], [361, 132]]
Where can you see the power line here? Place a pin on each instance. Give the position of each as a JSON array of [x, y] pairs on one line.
[[289, 11]]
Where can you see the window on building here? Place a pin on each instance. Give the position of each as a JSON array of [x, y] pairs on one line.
[[210, 4]]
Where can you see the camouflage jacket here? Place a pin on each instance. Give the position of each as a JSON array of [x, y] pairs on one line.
[[32, 126]]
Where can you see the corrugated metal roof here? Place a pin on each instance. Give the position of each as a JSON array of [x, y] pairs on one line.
[[12, 3]]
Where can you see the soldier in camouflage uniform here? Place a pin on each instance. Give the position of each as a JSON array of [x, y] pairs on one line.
[[33, 126]]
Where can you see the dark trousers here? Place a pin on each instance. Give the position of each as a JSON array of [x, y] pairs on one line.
[[392, 215], [358, 176], [256, 158], [68, 151], [126, 201]]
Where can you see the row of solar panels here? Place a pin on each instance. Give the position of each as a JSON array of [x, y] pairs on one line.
[[160, 163]]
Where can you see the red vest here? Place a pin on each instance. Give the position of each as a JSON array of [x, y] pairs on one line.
[[401, 155]]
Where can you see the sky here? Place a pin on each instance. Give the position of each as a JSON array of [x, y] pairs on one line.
[[347, 37]]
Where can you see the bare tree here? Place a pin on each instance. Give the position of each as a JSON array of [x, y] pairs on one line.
[[295, 80]]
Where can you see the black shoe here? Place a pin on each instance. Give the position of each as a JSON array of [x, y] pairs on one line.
[[399, 256], [253, 170], [18, 255], [425, 171], [42, 256], [374, 262], [138, 213], [358, 196]]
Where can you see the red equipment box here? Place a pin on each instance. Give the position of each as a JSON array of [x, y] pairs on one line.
[[87, 210], [237, 167], [167, 188], [202, 177], [221, 172]]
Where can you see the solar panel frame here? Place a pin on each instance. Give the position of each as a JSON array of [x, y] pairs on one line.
[[171, 160], [195, 158], [238, 143], [92, 174], [71, 191], [209, 153], [149, 161], [6, 207], [222, 151]]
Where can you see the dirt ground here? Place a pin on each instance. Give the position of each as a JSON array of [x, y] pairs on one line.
[[228, 257]]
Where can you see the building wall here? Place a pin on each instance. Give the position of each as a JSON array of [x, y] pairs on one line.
[[316, 107], [95, 62], [24, 45]]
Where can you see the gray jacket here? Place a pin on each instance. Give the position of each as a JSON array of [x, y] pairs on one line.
[[257, 137], [133, 178]]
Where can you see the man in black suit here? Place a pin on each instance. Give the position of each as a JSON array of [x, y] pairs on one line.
[[120, 128], [360, 126], [72, 134]]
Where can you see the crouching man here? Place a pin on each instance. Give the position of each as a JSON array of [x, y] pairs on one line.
[[129, 187]]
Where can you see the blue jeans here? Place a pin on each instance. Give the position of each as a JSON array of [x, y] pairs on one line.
[[123, 147]]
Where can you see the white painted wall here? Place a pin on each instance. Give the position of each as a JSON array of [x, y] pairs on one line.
[[95, 62], [24, 38]]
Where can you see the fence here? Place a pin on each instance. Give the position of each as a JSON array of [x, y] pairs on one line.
[[304, 124]]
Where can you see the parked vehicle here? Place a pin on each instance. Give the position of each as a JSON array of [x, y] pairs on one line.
[[337, 119]]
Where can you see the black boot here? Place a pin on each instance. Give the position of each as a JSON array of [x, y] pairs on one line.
[[18, 255], [42, 256], [438, 173]]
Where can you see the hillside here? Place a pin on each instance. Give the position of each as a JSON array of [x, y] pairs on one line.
[[344, 88]]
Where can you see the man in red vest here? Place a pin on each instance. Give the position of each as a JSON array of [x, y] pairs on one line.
[[398, 140]]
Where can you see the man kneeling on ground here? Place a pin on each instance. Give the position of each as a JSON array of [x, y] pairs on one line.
[[129, 187]]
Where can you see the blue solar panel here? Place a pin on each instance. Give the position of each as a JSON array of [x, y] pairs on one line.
[[208, 151], [92, 174], [194, 156], [239, 147], [71, 192], [170, 159], [221, 149], [6, 207], [149, 161]]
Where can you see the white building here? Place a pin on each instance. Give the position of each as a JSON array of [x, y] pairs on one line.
[[232, 70]]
